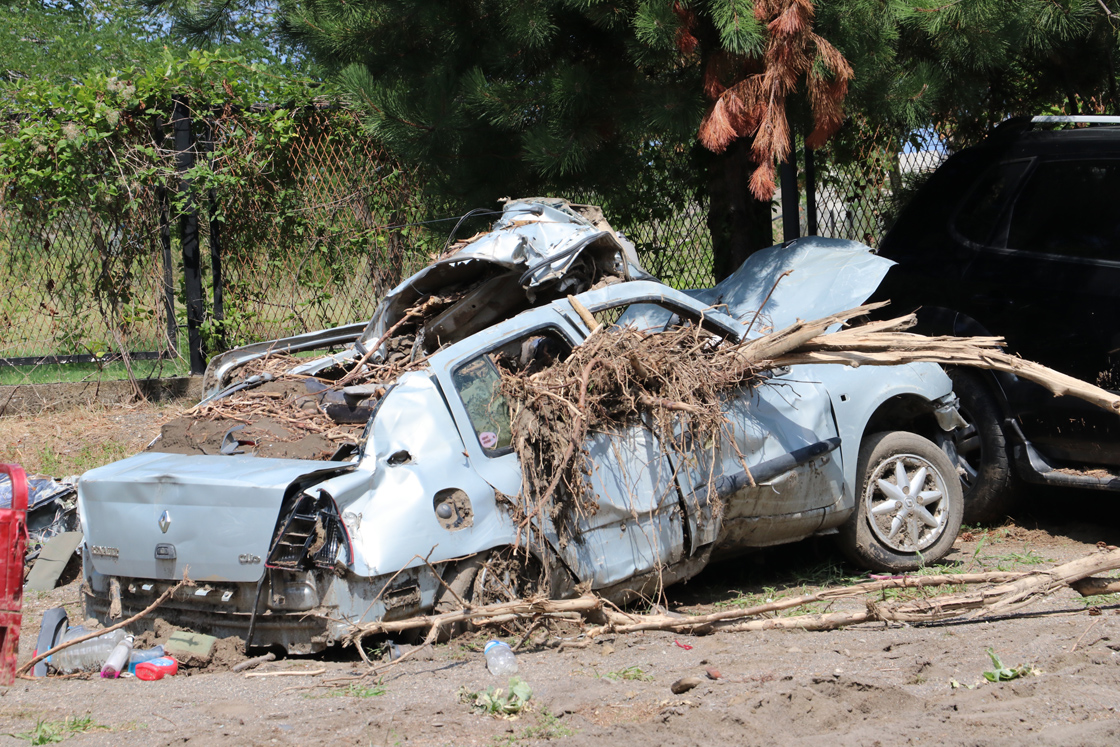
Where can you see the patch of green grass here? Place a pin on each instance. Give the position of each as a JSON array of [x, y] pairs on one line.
[[1009, 561], [743, 601], [547, 727], [826, 573], [1099, 600], [358, 690], [505, 702], [629, 673], [1029, 557], [51, 373], [89, 456], [52, 732]]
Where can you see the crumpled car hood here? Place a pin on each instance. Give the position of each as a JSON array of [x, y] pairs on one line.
[[826, 276]]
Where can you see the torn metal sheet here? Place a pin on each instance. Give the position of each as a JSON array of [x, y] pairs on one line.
[[537, 248], [807, 278]]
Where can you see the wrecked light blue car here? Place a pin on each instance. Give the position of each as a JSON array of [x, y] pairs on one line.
[[295, 552]]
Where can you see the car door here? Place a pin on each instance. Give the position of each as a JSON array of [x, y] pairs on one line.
[[636, 525], [1048, 279], [783, 416]]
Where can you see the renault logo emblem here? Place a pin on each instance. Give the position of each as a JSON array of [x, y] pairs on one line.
[[164, 522]]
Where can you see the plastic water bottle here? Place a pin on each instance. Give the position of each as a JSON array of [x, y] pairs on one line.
[[139, 657], [118, 659], [87, 656], [500, 659]]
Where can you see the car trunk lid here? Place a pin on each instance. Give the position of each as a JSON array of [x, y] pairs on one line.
[[157, 515]]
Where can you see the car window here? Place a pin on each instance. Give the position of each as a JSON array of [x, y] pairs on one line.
[[478, 382], [1069, 208], [980, 211], [653, 317]]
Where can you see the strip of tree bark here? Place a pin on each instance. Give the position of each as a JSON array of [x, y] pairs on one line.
[[506, 611], [883, 344], [1004, 598]]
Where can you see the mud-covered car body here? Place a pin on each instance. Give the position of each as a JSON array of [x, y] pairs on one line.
[[294, 552]]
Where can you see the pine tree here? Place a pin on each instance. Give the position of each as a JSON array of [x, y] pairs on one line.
[[497, 97]]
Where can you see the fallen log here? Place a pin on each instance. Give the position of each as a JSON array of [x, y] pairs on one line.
[[1091, 587], [1003, 598], [1012, 591], [620, 622]]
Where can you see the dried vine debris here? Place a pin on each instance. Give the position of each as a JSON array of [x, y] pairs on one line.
[[675, 383], [298, 416], [677, 378]]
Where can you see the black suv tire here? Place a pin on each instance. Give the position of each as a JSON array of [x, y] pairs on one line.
[[979, 451]]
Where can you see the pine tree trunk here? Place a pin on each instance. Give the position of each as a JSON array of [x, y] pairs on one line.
[[740, 225]]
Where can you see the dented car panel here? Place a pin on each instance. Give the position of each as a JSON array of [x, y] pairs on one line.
[[293, 552], [415, 461]]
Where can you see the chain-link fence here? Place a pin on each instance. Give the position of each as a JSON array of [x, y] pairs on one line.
[[81, 280], [314, 240], [309, 232]]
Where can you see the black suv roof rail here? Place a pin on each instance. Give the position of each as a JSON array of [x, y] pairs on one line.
[[1076, 118]]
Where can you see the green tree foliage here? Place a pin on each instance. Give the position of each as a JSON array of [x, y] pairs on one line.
[[494, 97], [973, 63], [64, 41], [500, 97], [248, 26]]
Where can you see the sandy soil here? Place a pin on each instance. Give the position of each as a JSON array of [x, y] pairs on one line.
[[866, 685]]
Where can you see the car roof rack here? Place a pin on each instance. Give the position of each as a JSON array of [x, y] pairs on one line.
[[1076, 118]]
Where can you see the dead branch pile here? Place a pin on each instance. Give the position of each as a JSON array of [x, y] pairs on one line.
[[676, 381], [287, 416], [675, 378], [997, 593]]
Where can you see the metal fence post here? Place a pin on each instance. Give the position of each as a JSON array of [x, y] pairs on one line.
[[791, 220], [217, 307], [188, 232], [810, 193]]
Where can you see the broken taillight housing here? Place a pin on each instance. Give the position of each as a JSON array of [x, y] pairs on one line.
[[311, 535]]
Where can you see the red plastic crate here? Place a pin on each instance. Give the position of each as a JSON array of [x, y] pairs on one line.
[[13, 548]]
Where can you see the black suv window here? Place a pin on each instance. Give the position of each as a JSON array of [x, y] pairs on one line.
[[1069, 208], [980, 211]]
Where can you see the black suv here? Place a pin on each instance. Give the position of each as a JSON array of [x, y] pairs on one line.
[[1020, 236]]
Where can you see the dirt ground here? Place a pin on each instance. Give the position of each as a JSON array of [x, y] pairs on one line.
[[865, 685]]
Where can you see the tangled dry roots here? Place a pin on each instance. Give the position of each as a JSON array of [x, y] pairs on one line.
[[673, 382]]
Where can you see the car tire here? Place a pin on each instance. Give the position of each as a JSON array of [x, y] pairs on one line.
[[889, 530], [979, 450]]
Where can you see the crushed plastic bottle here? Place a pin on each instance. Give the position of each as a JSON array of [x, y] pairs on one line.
[[500, 659], [87, 656], [118, 659]]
